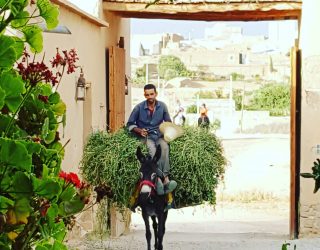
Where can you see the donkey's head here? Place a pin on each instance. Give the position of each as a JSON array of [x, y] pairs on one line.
[[148, 170]]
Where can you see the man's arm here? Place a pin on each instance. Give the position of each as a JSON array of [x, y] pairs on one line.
[[132, 123]]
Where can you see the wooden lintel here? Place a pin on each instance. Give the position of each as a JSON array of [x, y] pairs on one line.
[[208, 11]]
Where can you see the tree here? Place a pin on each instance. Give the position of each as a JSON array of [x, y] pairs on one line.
[[272, 97], [172, 66], [141, 72]]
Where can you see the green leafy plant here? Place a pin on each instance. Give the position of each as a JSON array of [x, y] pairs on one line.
[[286, 245], [171, 66], [196, 159], [192, 109], [237, 77], [272, 97], [37, 200], [206, 94], [314, 175]]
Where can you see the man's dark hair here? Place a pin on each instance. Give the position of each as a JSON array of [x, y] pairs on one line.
[[150, 86]]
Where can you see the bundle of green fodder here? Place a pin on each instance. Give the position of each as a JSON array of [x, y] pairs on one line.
[[197, 164], [196, 158]]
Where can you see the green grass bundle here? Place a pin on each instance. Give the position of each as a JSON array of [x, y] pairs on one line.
[[196, 158], [197, 164]]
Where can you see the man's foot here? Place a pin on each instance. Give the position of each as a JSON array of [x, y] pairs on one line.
[[170, 186]]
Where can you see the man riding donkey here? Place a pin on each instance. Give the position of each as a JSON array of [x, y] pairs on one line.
[[145, 121]]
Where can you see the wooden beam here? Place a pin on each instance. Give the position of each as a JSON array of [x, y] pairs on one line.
[[209, 11]]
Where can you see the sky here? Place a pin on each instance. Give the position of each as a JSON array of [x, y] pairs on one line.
[[196, 28], [86, 5]]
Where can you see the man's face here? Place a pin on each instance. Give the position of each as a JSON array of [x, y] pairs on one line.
[[150, 95]]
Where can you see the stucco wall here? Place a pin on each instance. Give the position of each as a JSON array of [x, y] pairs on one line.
[[310, 119], [88, 39]]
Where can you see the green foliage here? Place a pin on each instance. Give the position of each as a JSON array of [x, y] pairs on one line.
[[236, 76], [314, 175], [219, 93], [197, 164], [272, 97], [206, 94], [170, 74], [141, 72], [110, 159], [216, 124], [192, 109], [237, 96], [172, 66], [286, 245], [35, 202]]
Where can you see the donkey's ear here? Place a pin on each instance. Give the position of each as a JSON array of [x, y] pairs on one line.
[[157, 155], [140, 156]]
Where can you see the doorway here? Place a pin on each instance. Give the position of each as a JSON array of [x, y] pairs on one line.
[[257, 145]]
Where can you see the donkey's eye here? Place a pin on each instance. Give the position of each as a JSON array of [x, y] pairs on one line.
[[141, 175], [153, 176]]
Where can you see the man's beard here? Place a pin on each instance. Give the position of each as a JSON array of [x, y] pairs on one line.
[[151, 101]]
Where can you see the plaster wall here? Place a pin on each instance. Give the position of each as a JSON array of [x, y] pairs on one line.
[[88, 40], [310, 119]]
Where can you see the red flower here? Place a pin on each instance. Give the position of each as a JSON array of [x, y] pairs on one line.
[[63, 175], [73, 178], [70, 178]]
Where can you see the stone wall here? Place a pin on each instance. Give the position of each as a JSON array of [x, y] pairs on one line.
[[310, 219]]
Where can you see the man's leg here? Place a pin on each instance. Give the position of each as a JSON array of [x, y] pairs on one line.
[[151, 146], [163, 163]]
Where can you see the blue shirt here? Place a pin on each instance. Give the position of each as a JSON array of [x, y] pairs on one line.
[[141, 117]]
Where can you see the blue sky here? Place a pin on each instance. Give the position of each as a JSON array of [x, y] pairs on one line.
[[196, 28]]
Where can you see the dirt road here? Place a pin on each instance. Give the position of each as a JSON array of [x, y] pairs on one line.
[[252, 211]]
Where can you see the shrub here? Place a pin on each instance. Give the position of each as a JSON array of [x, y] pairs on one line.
[[192, 109], [172, 66], [236, 76], [206, 94], [272, 97]]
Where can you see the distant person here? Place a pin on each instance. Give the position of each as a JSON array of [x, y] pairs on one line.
[[203, 120], [179, 117]]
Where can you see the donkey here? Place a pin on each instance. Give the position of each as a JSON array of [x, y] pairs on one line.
[[152, 204]]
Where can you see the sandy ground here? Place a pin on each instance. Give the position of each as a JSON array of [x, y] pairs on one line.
[[252, 211]]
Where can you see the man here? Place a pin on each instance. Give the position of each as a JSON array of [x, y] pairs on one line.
[[144, 121]]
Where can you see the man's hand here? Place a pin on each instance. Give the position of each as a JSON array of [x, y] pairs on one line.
[[141, 131]]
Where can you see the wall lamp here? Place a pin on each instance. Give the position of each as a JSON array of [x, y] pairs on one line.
[[81, 87]]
